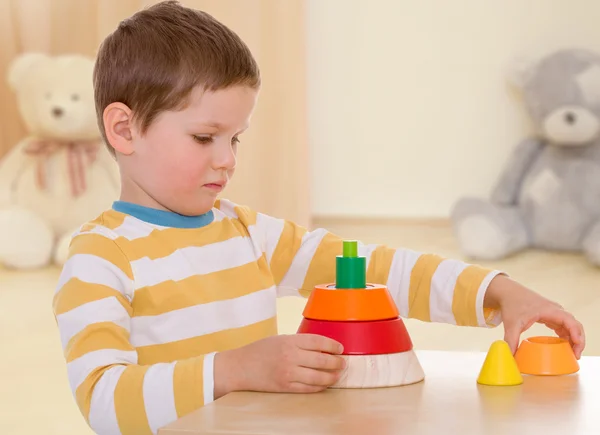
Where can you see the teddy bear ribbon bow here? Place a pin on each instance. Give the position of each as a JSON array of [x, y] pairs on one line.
[[79, 155]]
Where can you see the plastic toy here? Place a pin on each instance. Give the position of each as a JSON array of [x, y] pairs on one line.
[[546, 356], [364, 318], [500, 367]]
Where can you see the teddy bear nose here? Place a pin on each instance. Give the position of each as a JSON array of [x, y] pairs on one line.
[[569, 118], [57, 112]]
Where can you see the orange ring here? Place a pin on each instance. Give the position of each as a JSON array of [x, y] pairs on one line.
[[329, 303], [546, 356]]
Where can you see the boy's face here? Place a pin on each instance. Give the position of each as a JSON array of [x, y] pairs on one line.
[[186, 158]]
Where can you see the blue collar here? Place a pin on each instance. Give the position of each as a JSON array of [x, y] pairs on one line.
[[162, 217]]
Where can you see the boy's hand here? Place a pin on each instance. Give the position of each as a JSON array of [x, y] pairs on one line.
[[521, 308], [301, 363]]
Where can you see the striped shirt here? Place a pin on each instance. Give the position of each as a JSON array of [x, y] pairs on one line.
[[147, 298]]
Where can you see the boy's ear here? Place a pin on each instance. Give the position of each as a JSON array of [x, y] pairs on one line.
[[118, 126]]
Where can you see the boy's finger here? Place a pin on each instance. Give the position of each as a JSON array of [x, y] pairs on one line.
[[297, 387], [512, 335], [563, 320], [318, 378], [320, 360], [514, 329], [580, 344], [567, 321], [319, 343]]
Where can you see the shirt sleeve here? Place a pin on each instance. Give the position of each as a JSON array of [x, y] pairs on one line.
[[115, 394], [425, 286]]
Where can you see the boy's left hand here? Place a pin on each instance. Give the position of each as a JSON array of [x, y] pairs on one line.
[[521, 308]]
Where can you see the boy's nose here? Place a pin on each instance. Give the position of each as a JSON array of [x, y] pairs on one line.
[[225, 158]]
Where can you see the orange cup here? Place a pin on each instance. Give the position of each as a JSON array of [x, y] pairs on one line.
[[546, 356], [371, 303]]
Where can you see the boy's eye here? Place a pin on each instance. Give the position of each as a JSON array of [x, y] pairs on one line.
[[204, 140]]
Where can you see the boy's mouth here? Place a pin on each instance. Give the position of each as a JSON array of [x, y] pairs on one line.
[[217, 187]]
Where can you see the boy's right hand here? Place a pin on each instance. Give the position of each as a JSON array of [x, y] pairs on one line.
[[299, 363]]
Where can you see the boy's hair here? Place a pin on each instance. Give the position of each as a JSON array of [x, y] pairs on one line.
[[154, 59]]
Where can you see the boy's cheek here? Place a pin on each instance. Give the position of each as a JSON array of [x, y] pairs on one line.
[[186, 177]]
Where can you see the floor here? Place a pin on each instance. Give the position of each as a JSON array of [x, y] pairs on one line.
[[34, 394]]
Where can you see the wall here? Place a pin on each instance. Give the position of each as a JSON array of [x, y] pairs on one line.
[[409, 108]]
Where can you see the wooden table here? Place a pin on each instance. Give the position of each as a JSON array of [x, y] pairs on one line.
[[449, 401]]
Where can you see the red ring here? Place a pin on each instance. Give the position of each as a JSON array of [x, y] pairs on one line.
[[362, 338]]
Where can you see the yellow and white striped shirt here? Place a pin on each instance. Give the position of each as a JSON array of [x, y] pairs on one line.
[[146, 298]]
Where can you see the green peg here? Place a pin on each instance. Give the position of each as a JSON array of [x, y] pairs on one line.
[[350, 248], [350, 268]]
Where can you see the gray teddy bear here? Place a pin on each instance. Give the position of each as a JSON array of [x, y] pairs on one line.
[[548, 196]]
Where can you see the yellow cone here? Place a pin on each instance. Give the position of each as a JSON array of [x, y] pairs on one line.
[[500, 367]]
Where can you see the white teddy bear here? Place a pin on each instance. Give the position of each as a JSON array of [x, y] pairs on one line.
[[59, 176]]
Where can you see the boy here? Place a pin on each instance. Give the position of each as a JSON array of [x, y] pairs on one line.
[[167, 301]]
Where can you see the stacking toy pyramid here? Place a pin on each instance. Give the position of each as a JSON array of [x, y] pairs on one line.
[[500, 367], [365, 320]]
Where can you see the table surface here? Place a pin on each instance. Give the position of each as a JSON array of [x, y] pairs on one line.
[[449, 400]]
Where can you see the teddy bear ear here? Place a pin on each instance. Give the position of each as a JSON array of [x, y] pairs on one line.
[[22, 65], [520, 70]]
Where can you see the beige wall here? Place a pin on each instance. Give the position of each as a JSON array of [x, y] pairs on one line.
[[406, 96]]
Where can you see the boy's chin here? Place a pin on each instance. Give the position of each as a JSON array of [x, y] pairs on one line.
[[194, 209]]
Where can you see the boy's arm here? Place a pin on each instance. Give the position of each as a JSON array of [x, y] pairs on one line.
[[425, 286], [116, 394]]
